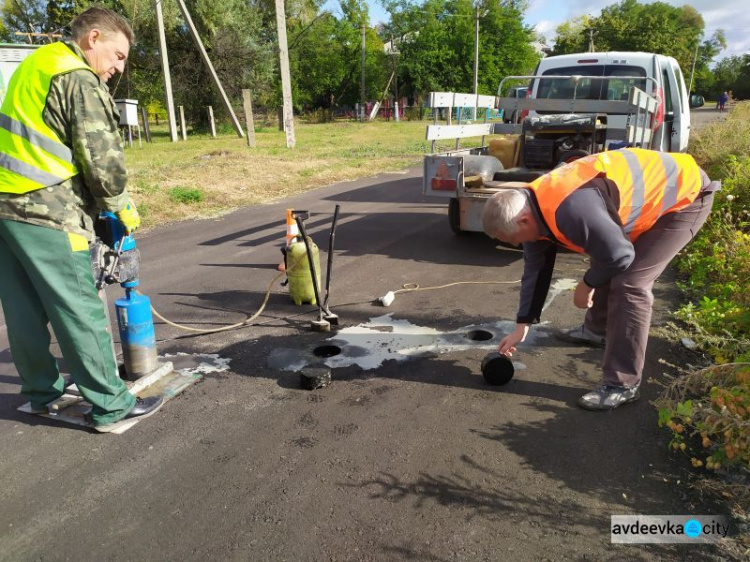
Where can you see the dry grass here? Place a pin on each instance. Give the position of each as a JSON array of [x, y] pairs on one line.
[[712, 144], [229, 174]]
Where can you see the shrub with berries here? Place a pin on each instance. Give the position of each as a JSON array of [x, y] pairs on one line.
[[711, 406]]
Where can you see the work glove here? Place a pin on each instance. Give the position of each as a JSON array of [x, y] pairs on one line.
[[129, 217]]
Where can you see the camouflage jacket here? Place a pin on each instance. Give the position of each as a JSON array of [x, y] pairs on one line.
[[82, 113]]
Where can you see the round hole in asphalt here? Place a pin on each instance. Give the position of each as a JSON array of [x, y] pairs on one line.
[[479, 335], [326, 351]]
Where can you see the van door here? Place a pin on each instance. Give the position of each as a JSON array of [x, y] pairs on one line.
[[681, 123], [676, 111]]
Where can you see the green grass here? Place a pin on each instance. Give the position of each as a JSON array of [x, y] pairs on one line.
[[207, 176], [188, 195]]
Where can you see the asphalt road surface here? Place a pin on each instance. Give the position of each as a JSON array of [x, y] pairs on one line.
[[704, 115], [411, 460]]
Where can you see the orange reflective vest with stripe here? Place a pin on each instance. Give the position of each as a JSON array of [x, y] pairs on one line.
[[32, 156], [650, 184]]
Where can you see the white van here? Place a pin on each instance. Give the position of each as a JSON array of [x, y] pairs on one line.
[[609, 76]]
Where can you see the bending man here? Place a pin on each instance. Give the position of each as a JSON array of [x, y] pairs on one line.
[[631, 211], [61, 162]]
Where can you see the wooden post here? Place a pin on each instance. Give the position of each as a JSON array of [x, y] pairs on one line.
[[247, 103], [144, 118], [281, 118], [165, 72], [211, 123], [183, 129], [211, 71], [286, 81], [476, 59]]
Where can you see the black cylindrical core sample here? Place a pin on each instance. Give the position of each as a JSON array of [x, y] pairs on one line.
[[326, 351], [315, 377], [497, 369]]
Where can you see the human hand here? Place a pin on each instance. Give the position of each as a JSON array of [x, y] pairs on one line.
[[129, 216], [583, 297], [508, 344]]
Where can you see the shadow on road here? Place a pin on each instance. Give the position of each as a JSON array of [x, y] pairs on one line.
[[416, 229]]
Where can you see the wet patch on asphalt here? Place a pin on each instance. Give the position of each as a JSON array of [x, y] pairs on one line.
[[383, 338]]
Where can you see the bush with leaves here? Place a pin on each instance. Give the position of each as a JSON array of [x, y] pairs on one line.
[[708, 411], [712, 405], [716, 265]]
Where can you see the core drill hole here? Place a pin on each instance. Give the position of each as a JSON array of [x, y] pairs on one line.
[[327, 351], [479, 335]]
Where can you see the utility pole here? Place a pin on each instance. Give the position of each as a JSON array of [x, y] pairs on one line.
[[591, 40], [286, 81], [362, 87], [692, 70], [476, 56], [395, 78], [165, 72]]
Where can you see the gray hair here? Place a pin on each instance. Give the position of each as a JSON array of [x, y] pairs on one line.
[[108, 22], [501, 211]]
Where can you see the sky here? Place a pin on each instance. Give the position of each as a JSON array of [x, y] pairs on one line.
[[733, 16]]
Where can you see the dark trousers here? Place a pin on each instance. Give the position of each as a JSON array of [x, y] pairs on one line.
[[622, 309], [46, 280]]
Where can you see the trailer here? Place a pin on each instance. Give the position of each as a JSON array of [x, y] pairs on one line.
[[511, 155]]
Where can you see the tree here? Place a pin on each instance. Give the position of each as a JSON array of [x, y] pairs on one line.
[[732, 74], [230, 32], [572, 35], [654, 28], [704, 79], [27, 16], [436, 44], [319, 62]]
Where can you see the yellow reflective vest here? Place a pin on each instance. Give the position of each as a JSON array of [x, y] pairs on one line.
[[650, 183], [32, 156]]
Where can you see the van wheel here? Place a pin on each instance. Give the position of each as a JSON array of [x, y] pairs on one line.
[[571, 155], [454, 217]]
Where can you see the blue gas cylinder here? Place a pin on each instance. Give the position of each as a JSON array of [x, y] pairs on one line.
[[137, 336]]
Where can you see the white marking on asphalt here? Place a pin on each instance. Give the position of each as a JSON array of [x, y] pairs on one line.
[[197, 363], [384, 338], [558, 287]]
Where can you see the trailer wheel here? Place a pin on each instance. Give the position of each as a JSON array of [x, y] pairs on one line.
[[454, 217]]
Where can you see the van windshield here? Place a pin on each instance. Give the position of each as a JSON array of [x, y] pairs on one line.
[[613, 85]]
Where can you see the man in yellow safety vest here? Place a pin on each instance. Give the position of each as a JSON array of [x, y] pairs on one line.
[[61, 163]]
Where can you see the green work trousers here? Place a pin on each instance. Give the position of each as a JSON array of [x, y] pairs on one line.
[[43, 281]]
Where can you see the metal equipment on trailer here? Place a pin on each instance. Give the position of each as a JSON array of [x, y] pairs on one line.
[[512, 155]]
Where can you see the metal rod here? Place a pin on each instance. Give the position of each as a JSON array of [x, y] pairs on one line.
[[331, 239], [311, 262]]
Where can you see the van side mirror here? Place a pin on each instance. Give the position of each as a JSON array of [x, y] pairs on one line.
[[696, 100]]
